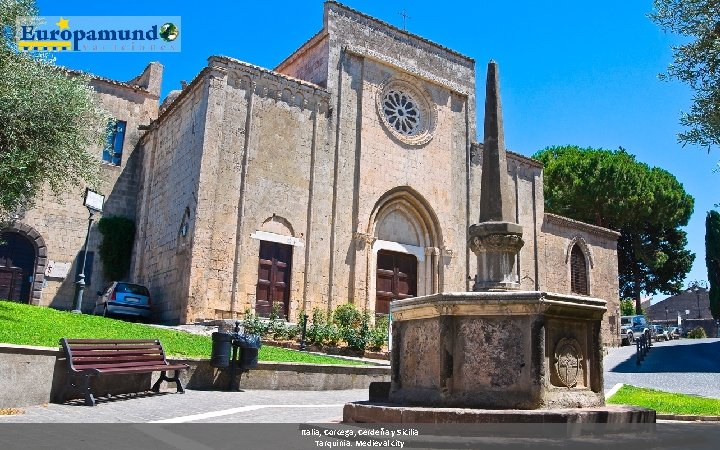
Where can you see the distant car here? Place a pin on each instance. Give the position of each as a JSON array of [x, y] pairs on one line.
[[124, 299], [632, 327], [660, 333], [674, 332]]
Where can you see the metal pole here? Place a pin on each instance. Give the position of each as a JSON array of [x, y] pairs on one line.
[[302, 336], [80, 284], [233, 364], [233, 361]]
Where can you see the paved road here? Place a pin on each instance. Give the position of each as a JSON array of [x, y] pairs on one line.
[[251, 406], [688, 366]]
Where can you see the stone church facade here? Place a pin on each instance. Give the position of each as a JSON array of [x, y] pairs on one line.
[[350, 172]]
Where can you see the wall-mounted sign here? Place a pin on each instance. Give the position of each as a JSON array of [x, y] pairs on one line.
[[57, 269], [93, 200]]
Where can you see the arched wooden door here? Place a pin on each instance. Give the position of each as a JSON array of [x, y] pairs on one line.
[[396, 279], [17, 266], [273, 285]]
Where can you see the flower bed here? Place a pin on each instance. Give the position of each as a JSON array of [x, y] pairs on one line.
[[345, 331]]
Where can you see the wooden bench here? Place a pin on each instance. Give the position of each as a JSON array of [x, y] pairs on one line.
[[96, 357]]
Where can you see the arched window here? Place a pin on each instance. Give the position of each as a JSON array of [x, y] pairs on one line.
[[578, 272]]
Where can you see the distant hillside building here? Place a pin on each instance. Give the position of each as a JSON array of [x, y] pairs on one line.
[[350, 172]]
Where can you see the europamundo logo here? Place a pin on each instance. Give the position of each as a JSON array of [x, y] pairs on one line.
[[99, 34]]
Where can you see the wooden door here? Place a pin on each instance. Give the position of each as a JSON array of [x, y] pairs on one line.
[[17, 264], [273, 285], [396, 279], [11, 283]]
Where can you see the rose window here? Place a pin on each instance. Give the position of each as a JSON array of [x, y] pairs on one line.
[[401, 112], [406, 110]]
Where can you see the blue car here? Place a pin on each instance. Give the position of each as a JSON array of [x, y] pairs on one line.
[[124, 299]]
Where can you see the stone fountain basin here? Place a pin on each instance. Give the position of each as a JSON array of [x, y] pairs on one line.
[[497, 350]]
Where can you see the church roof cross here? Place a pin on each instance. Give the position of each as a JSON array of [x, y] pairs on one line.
[[405, 17]]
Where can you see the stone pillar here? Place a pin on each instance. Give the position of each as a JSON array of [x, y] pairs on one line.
[[496, 245], [496, 240]]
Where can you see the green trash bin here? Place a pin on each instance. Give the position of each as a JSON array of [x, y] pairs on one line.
[[221, 349], [249, 345]]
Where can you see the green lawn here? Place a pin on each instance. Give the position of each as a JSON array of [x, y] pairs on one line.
[[34, 325], [666, 402]]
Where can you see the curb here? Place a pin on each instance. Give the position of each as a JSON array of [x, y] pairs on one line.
[[613, 390], [687, 418], [20, 387]]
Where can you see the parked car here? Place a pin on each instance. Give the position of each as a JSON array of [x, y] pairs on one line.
[[122, 298], [632, 327], [660, 333], [675, 332]]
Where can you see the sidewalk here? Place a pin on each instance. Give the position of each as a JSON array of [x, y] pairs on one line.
[[256, 406]]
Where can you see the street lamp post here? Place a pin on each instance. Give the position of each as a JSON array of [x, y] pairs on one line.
[[94, 203], [80, 283], [696, 287], [666, 316]]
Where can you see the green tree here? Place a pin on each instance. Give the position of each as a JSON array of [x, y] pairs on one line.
[[712, 259], [695, 62], [627, 307], [50, 122], [647, 205]]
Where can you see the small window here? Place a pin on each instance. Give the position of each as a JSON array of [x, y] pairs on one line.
[[578, 272], [112, 153]]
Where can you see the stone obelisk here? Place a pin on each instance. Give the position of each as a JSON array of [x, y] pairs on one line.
[[497, 239]]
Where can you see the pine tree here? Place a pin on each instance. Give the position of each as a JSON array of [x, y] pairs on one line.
[[712, 259], [647, 205]]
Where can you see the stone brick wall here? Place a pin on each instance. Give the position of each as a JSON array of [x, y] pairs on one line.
[[304, 155], [526, 185], [434, 198], [309, 62], [526, 181], [239, 153], [320, 163], [62, 220], [599, 246], [375, 170], [167, 204]]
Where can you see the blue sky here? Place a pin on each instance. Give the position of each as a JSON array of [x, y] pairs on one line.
[[582, 73]]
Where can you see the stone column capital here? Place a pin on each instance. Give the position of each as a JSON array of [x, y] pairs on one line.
[[509, 243], [363, 239]]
